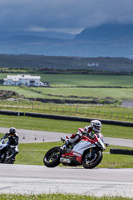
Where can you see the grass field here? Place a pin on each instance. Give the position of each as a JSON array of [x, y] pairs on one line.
[[82, 93], [83, 80], [63, 80], [87, 80], [66, 81], [65, 87], [117, 93]]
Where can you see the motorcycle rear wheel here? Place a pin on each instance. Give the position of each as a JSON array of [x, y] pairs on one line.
[[90, 163], [52, 157]]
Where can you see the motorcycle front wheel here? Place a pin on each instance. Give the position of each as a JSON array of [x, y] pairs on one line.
[[8, 158], [89, 162], [52, 157], [2, 158]]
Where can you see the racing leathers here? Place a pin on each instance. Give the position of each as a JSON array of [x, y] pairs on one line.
[[13, 140], [87, 131]]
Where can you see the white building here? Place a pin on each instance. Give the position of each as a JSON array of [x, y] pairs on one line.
[[93, 64], [23, 80]]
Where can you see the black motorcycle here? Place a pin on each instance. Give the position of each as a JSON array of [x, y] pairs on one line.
[[6, 152]]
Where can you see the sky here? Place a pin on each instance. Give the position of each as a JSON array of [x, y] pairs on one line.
[[70, 16]]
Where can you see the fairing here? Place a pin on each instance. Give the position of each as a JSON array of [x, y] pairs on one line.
[[77, 151]]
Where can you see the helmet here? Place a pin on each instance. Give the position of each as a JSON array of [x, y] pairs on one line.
[[96, 126], [12, 131]]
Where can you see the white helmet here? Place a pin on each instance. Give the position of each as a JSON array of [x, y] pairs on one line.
[[96, 126]]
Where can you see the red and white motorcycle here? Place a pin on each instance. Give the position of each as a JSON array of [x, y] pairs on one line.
[[86, 152]]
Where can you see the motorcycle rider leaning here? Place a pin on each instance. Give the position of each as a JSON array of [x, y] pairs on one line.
[[91, 131], [13, 140]]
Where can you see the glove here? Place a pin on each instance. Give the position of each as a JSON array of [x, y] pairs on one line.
[[62, 139]]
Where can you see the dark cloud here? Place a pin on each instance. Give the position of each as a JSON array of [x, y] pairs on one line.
[[62, 15]]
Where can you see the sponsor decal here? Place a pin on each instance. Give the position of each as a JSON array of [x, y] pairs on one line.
[[76, 153]]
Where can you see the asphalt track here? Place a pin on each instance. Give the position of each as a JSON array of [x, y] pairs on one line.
[[29, 179]]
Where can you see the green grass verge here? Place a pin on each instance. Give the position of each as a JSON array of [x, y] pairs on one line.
[[58, 197], [64, 126]]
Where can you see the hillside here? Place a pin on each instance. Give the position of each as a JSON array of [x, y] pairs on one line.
[[54, 64], [109, 40], [106, 32]]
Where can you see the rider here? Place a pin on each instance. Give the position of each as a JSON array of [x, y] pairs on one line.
[[13, 140], [91, 131]]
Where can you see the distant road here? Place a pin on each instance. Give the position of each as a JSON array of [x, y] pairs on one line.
[[127, 104], [32, 136]]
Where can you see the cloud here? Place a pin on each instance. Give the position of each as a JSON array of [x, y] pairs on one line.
[[61, 15]]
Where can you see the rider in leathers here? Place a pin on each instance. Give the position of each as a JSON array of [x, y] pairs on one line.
[[13, 140], [90, 131]]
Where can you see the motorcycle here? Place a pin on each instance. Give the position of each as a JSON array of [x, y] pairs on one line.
[[6, 155], [86, 153]]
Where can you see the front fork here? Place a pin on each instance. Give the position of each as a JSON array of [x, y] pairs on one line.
[[92, 152]]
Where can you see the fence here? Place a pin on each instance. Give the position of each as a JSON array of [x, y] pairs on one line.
[[116, 113], [62, 117]]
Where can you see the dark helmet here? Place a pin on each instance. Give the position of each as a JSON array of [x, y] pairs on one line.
[[12, 131]]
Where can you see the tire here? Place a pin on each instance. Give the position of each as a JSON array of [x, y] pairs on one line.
[[9, 161], [90, 163], [3, 158], [52, 157], [10, 155]]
